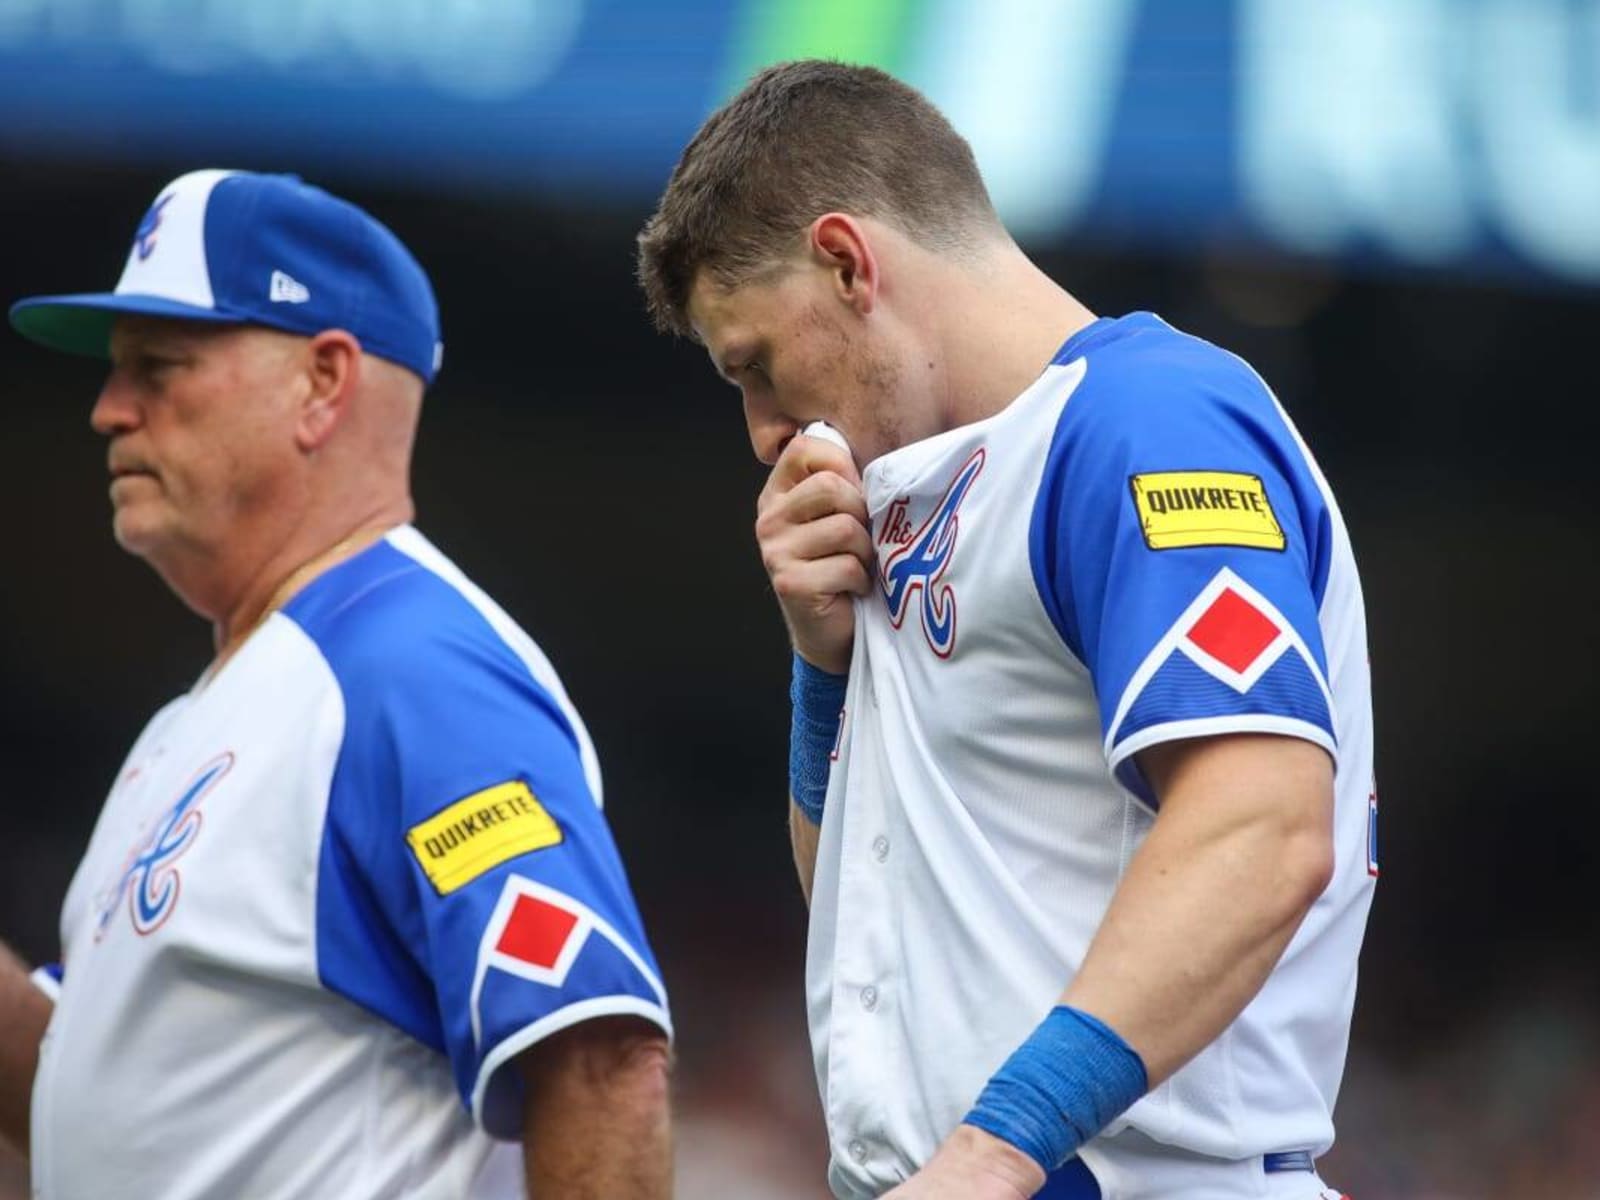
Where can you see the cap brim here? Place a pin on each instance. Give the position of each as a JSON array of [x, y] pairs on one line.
[[82, 324]]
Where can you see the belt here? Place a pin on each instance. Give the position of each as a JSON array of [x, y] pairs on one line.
[[1073, 1180], [1288, 1160]]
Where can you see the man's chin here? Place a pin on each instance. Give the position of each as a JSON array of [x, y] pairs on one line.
[[136, 532]]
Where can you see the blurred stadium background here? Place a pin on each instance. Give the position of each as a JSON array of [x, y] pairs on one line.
[[1391, 207]]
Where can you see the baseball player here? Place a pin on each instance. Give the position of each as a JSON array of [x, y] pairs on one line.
[[1081, 761], [351, 922]]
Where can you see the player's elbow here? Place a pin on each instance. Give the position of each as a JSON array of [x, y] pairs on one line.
[[620, 1061], [635, 1087], [1293, 852], [642, 1066], [1291, 808], [597, 1118], [1305, 867], [627, 1056]]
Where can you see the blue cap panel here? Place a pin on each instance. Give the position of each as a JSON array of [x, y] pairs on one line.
[[289, 255]]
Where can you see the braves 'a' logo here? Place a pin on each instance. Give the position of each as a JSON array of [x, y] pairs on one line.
[[923, 556], [149, 877], [144, 237]]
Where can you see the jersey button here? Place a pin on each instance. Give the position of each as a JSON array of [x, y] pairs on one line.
[[869, 998], [858, 1150], [880, 847]]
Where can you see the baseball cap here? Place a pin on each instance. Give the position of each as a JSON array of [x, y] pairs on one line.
[[235, 246]]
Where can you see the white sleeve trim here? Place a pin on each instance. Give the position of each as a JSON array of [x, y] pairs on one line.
[[1199, 727], [563, 1018], [46, 983]]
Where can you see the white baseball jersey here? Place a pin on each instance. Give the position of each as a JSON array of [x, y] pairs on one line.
[[1138, 548], [336, 889]]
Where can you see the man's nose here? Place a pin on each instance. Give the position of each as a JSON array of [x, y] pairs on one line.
[[770, 431], [115, 408]]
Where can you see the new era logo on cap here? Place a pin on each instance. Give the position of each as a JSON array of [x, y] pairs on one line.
[[286, 289]]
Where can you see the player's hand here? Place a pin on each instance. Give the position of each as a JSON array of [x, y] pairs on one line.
[[973, 1165], [811, 525]]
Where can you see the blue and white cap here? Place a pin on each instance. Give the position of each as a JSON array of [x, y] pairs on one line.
[[232, 246]]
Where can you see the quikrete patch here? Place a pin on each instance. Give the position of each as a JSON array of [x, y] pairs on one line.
[[1205, 508], [480, 832]]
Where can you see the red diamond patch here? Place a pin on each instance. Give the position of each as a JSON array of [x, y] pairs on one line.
[[1233, 631], [536, 932]]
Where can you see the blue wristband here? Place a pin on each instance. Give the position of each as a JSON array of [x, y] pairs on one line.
[[1067, 1082], [818, 700]]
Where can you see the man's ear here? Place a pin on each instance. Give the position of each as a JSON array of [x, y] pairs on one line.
[[839, 242], [333, 371]]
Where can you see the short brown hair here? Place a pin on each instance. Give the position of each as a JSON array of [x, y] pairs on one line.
[[802, 139]]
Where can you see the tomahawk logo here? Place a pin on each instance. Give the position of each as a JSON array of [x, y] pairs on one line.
[[921, 562], [144, 237], [149, 876]]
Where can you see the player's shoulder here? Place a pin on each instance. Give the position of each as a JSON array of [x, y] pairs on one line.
[[1145, 380], [428, 669], [400, 616], [1154, 417]]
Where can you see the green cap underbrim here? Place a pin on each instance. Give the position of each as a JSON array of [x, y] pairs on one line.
[[82, 324]]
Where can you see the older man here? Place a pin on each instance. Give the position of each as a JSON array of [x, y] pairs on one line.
[[359, 870]]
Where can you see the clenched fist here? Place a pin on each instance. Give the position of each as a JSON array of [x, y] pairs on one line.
[[811, 525]]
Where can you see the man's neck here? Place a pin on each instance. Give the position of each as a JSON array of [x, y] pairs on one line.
[[1004, 331], [301, 556]]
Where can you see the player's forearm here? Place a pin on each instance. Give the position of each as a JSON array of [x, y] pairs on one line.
[[803, 836], [597, 1120], [1240, 852], [24, 1013]]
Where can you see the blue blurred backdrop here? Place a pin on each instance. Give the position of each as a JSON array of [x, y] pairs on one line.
[[1457, 134]]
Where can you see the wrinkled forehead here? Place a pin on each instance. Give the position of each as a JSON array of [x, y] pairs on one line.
[[131, 333]]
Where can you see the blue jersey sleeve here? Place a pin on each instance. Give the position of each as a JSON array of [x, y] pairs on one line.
[[470, 891], [1180, 542]]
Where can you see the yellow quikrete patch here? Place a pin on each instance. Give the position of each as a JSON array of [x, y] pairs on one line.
[[482, 831], [1205, 508]]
